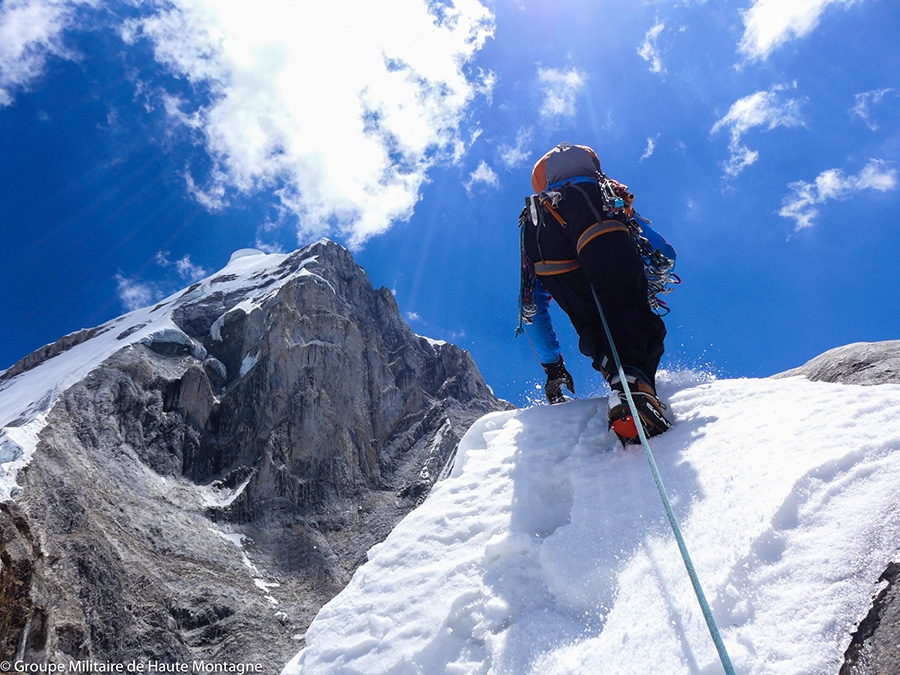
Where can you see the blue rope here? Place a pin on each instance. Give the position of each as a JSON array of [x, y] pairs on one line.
[[685, 556]]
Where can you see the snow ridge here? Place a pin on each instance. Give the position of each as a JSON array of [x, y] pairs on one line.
[[547, 549]]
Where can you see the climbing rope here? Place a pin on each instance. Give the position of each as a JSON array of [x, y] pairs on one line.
[[685, 556]]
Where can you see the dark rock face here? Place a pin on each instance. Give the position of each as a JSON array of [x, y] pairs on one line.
[[875, 646], [208, 488], [865, 363]]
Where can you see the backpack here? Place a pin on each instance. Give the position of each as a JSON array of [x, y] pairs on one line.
[[657, 254]]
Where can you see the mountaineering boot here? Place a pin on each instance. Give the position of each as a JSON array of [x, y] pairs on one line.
[[651, 410]]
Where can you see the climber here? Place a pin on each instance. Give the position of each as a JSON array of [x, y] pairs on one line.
[[576, 238]]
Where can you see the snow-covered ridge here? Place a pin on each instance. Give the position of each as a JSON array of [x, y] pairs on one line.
[[28, 392], [547, 549]]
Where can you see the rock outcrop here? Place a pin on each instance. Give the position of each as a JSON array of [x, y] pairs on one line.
[[221, 472], [867, 363], [875, 647]]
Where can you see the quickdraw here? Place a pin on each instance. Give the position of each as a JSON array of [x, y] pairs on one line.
[[657, 265]]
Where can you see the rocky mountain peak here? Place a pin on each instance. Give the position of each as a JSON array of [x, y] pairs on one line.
[[199, 477]]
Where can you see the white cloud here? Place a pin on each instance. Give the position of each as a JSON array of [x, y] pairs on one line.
[[188, 270], [651, 148], [559, 90], [762, 109], [768, 24], [30, 32], [482, 174], [135, 294], [649, 50], [518, 155], [214, 197], [338, 109], [863, 103], [185, 268], [485, 84], [803, 202]]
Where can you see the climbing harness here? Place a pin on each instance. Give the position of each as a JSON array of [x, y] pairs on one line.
[[670, 513]]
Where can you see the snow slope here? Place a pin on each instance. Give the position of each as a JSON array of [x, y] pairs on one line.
[[547, 549]]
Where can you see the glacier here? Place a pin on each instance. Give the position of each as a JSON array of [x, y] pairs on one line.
[[547, 550]]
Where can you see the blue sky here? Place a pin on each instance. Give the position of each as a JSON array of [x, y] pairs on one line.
[[143, 142]]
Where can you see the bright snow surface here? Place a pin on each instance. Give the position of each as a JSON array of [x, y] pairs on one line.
[[547, 549]]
